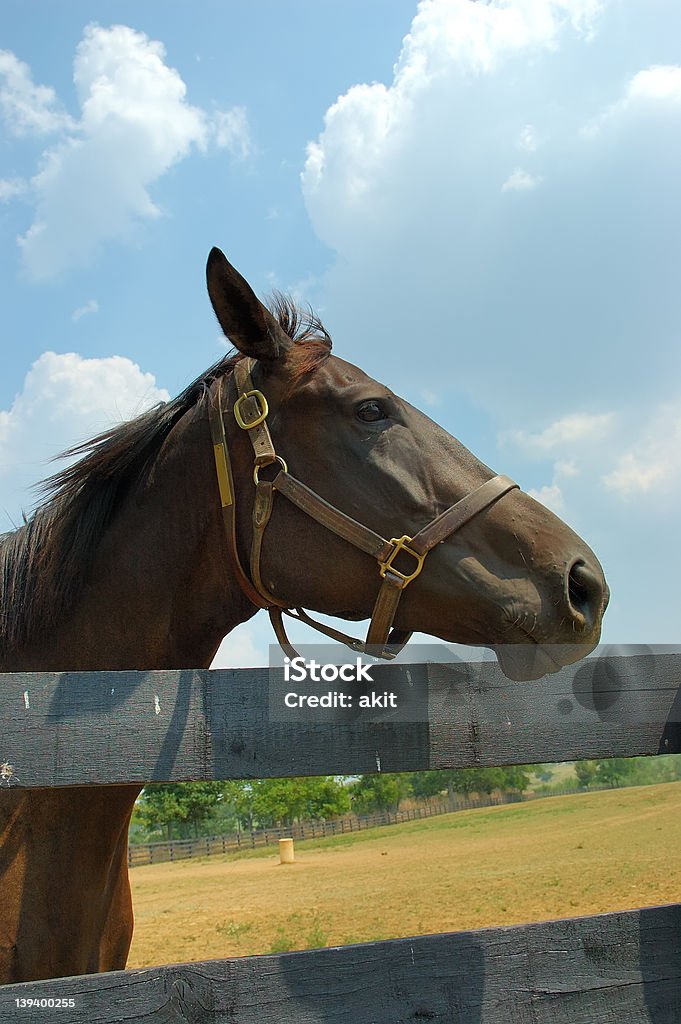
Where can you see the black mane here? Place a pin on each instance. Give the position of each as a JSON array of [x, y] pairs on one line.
[[45, 561]]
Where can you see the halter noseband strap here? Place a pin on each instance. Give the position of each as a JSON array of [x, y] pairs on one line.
[[383, 641]]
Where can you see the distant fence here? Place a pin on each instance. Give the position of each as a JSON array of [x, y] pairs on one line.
[[106, 728], [162, 851], [233, 842]]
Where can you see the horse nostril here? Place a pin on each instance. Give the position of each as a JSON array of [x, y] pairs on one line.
[[585, 591]]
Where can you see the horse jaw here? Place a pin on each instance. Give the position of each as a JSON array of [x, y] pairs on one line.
[[528, 661]]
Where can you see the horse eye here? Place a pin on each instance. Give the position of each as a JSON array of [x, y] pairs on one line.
[[371, 411]]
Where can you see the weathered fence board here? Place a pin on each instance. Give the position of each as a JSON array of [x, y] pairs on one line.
[[64, 729], [620, 968]]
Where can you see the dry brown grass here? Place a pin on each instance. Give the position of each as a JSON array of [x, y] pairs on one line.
[[560, 857]]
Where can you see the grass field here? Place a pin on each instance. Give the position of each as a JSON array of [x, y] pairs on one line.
[[559, 857]]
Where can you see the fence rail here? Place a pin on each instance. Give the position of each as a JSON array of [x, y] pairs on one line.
[[72, 728], [623, 968], [100, 728]]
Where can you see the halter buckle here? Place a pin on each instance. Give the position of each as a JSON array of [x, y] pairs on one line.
[[262, 407], [402, 544]]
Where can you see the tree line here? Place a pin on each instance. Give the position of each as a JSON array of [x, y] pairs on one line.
[[191, 809]]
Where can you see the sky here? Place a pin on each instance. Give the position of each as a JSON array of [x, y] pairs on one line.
[[480, 199]]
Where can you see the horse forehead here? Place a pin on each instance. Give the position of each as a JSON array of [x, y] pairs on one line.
[[339, 373]]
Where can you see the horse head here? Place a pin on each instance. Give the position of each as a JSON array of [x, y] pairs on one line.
[[501, 571]]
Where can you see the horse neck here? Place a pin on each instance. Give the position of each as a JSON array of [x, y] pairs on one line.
[[160, 593]]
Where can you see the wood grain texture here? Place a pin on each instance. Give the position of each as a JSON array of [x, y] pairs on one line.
[[67, 729], [620, 968]]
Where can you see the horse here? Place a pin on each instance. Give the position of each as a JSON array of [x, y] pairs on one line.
[[138, 557]]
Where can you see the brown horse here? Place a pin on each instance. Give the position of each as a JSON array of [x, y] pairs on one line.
[[127, 565]]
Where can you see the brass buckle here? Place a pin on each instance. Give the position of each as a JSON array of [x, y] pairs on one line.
[[262, 405], [402, 544]]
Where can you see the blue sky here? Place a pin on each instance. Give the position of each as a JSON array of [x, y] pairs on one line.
[[480, 199]]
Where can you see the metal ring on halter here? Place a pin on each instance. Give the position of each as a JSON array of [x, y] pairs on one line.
[[256, 469]]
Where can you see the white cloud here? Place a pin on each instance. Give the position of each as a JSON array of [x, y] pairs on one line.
[[64, 399], [653, 462], [26, 108], [564, 433], [232, 132], [244, 647], [520, 181], [90, 307], [566, 468], [527, 138], [654, 86], [366, 128], [558, 311], [479, 36], [135, 124], [10, 188], [659, 82], [551, 496], [405, 180], [93, 184]]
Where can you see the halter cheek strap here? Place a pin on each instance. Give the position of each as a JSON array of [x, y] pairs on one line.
[[250, 411]]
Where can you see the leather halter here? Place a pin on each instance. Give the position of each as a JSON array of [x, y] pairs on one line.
[[383, 641]]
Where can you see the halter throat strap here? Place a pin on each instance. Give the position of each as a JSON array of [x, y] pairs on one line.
[[250, 411]]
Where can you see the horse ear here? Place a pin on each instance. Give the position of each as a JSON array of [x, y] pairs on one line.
[[245, 321]]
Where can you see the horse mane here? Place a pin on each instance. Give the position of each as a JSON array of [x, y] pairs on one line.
[[44, 563]]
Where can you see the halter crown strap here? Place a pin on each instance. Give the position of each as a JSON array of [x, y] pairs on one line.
[[223, 467], [250, 411]]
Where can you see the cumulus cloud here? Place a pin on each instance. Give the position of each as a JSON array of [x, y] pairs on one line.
[[27, 108], [659, 82], [656, 86], [65, 398], [548, 310], [575, 428], [653, 461], [93, 184], [541, 304], [450, 42], [135, 123]]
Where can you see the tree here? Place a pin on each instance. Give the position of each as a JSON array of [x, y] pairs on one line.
[[586, 772], [265, 803], [515, 779], [476, 780], [378, 792], [325, 797], [168, 805], [425, 785], [159, 808], [616, 771], [544, 772]]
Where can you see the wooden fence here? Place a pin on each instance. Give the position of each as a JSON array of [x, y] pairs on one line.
[[234, 842], [162, 851], [68, 729]]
